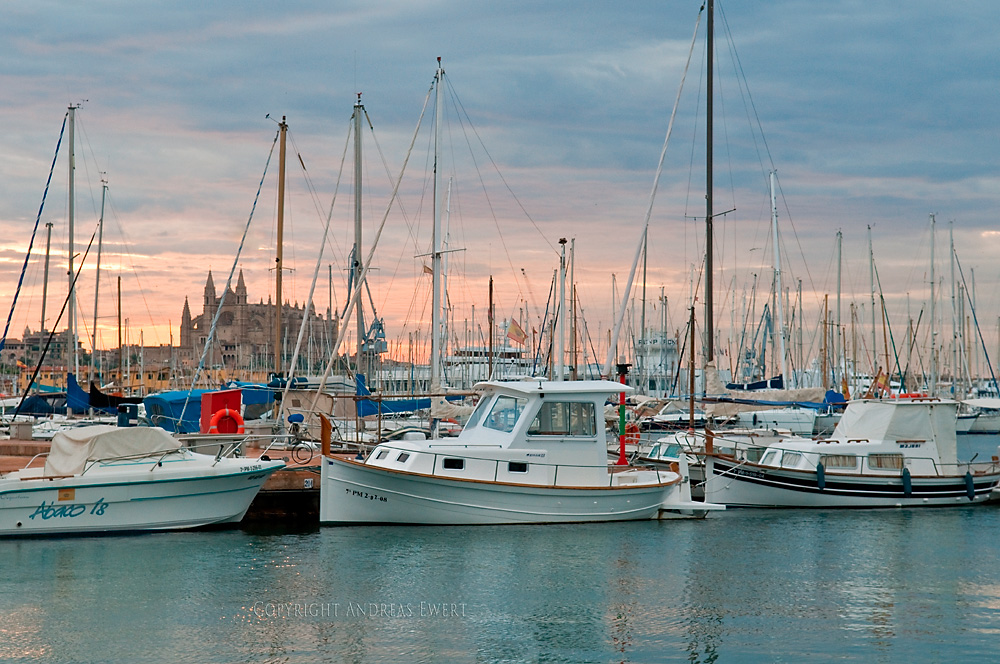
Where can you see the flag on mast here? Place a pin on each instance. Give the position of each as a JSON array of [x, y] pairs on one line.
[[515, 333]]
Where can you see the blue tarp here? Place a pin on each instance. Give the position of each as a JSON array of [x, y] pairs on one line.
[[164, 410], [389, 406]]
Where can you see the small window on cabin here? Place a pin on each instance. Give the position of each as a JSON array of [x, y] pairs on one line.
[[381, 455], [403, 456], [790, 460], [564, 418], [505, 412], [839, 461], [453, 464], [885, 461], [517, 467], [771, 458]]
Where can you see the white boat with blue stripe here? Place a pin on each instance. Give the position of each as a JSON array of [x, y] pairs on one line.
[[105, 479], [534, 451], [883, 453]]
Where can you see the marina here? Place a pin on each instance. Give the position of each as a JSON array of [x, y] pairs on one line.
[[859, 586], [373, 363]]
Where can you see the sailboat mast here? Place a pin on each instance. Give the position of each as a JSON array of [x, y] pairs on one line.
[[70, 213], [358, 112], [436, 239], [45, 282], [709, 319], [283, 127], [932, 388], [97, 279], [777, 288], [836, 338]]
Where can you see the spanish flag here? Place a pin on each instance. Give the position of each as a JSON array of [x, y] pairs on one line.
[[515, 333]]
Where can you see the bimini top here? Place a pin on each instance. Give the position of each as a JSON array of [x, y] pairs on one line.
[[530, 386]]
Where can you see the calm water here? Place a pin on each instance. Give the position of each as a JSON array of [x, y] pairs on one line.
[[741, 586]]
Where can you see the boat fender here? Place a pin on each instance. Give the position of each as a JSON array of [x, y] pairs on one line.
[[820, 476], [970, 486], [228, 415], [907, 483]]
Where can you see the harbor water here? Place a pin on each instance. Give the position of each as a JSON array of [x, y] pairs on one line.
[[894, 585]]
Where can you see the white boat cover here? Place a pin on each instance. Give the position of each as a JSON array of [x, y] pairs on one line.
[[71, 449], [714, 387], [902, 420], [986, 403]]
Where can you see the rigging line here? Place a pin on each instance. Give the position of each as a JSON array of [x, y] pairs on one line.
[[606, 370], [229, 281], [460, 110], [459, 105], [55, 326], [402, 210], [975, 320], [34, 231], [356, 292], [319, 262]]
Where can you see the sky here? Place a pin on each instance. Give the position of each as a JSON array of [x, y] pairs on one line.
[[553, 123]]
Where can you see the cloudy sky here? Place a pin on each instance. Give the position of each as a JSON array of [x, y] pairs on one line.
[[873, 114]]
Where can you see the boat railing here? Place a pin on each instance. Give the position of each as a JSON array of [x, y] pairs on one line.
[[919, 465], [662, 476]]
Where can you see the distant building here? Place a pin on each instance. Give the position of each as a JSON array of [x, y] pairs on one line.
[[244, 335]]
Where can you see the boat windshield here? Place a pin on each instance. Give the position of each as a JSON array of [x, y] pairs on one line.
[[478, 413], [505, 413]]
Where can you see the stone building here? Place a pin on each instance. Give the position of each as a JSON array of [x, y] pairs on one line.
[[244, 336]]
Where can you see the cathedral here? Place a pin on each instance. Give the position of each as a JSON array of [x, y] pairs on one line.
[[244, 336]]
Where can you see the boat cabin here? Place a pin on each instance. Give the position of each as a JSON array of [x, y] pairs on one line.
[[878, 438], [530, 431]]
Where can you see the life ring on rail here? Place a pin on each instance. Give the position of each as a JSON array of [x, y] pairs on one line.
[[230, 420], [631, 433]]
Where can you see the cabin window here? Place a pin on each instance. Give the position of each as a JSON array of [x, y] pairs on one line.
[[477, 414], [839, 461], [381, 455], [403, 456], [790, 460], [453, 464], [771, 458], [885, 461], [517, 467], [505, 413], [564, 418]]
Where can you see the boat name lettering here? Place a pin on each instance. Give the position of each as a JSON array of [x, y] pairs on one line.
[[747, 473], [48, 511], [906, 445], [365, 494], [540, 455], [253, 468]]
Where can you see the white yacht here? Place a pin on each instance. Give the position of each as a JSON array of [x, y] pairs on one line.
[[102, 479], [891, 453], [534, 451]]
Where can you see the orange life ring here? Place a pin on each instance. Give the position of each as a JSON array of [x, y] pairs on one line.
[[231, 421], [632, 433]]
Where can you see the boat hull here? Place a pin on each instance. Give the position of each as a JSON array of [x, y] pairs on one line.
[[136, 499], [353, 493], [738, 484]]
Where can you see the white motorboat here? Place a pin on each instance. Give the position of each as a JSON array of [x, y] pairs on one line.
[[534, 451], [796, 419], [103, 479], [882, 454]]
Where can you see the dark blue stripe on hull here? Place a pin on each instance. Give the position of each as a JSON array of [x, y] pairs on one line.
[[808, 484]]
